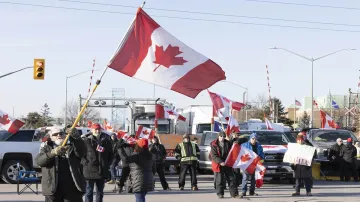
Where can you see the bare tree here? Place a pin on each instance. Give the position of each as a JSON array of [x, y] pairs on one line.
[[256, 111], [73, 109]]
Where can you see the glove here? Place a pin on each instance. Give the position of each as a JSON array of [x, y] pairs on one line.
[[60, 150], [74, 133]]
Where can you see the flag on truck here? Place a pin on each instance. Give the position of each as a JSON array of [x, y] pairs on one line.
[[10, 124], [246, 160], [163, 112], [327, 121], [150, 53]]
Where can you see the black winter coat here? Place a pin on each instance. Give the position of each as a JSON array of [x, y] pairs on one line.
[[335, 151], [50, 163], [348, 153], [301, 171], [96, 164], [129, 150], [158, 151], [140, 170]]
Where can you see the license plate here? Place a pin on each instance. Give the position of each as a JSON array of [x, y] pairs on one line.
[[170, 153], [270, 171]]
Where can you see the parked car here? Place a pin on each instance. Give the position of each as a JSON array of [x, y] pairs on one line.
[[273, 142], [21, 147], [291, 135]]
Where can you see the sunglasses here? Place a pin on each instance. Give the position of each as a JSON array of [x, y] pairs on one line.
[[57, 134]]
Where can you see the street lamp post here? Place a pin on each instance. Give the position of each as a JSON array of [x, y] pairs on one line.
[[246, 92], [66, 92], [312, 60]]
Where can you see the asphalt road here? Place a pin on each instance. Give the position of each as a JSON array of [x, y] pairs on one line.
[[324, 191]]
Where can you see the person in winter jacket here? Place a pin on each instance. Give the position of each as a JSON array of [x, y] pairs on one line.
[[348, 152], [96, 164], [220, 149], [335, 159], [159, 155], [129, 150], [256, 147], [233, 139], [188, 153], [62, 180], [140, 168], [302, 173], [116, 159]]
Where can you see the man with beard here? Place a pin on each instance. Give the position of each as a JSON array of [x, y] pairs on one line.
[[62, 180], [335, 159]]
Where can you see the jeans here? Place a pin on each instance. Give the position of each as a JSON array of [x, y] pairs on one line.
[[113, 170], [245, 179], [140, 196], [100, 184], [64, 197]]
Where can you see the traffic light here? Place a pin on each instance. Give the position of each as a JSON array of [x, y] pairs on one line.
[[39, 69]]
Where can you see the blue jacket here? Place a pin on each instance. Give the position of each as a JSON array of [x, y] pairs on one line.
[[260, 151]]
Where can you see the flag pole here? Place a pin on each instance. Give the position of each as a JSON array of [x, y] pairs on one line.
[[99, 80], [295, 112]]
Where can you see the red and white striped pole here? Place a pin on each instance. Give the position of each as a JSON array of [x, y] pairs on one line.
[[270, 102], [91, 77]]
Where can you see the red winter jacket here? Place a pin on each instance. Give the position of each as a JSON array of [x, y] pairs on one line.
[[215, 155]]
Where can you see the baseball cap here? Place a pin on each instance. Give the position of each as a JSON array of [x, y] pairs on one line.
[[95, 126]]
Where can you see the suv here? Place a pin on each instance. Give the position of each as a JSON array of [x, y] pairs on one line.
[[21, 147], [273, 142]]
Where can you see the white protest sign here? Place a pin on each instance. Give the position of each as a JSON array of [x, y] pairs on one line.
[[299, 154]]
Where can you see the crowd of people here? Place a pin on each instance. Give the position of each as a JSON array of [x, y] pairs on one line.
[[72, 171]]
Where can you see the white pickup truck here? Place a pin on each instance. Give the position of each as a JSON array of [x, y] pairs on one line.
[[22, 148]]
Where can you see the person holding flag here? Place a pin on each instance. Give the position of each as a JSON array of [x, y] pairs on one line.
[[256, 147], [220, 149]]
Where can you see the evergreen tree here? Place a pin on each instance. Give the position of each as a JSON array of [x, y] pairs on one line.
[[45, 114], [280, 113]]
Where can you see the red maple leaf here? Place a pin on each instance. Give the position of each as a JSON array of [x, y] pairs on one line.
[[145, 132], [4, 119], [332, 124], [245, 158], [170, 112], [168, 57]]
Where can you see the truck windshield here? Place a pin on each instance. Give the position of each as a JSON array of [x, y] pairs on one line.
[[331, 135], [268, 137]]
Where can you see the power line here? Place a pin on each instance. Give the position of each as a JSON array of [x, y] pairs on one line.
[[212, 14], [184, 18], [300, 4]]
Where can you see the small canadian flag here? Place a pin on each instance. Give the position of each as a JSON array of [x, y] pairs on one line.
[[10, 124], [100, 148], [146, 133]]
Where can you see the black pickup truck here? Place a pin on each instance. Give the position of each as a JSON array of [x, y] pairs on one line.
[[274, 144]]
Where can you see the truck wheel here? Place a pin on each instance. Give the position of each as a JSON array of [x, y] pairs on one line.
[[10, 171]]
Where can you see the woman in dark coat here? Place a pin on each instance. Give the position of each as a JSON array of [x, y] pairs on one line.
[[140, 163], [302, 172]]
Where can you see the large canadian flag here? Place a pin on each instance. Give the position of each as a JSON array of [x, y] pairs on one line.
[[146, 133], [10, 124], [246, 160], [327, 121], [223, 105], [150, 53], [163, 112], [233, 125]]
